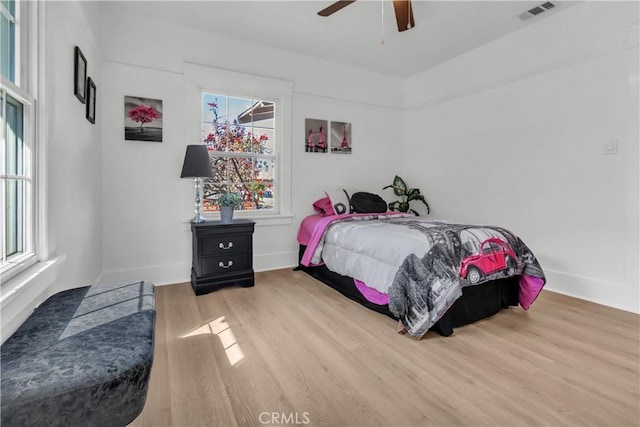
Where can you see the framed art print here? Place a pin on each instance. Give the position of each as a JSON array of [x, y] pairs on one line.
[[316, 136], [80, 75], [341, 142], [91, 100], [142, 119]]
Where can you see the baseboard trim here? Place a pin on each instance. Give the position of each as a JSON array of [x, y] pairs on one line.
[[159, 275], [274, 261], [599, 291], [180, 272]]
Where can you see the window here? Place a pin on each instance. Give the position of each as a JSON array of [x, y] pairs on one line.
[[245, 121], [17, 131], [240, 135]]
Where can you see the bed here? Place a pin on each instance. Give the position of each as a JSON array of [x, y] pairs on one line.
[[428, 274]]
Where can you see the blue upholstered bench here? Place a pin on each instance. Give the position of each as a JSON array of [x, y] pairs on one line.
[[83, 358]]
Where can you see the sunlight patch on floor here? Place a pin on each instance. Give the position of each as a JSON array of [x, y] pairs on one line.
[[222, 330]]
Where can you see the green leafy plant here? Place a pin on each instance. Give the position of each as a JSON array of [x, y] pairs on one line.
[[407, 195], [229, 199]]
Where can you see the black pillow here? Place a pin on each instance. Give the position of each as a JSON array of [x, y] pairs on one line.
[[362, 202]]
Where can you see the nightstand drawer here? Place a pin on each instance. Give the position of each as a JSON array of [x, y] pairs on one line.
[[225, 244], [225, 264]]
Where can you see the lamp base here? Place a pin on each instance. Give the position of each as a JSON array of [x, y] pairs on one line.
[[198, 219]]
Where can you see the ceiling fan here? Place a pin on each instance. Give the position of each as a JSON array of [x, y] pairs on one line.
[[404, 12]]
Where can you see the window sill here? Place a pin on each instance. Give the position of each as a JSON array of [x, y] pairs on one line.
[[21, 283], [265, 220], [17, 264], [260, 220]]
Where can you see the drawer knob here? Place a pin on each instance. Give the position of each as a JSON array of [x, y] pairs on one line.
[[221, 264], [222, 246]]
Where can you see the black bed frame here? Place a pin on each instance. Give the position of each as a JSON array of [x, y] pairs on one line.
[[477, 302]]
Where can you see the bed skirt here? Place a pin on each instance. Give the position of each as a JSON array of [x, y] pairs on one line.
[[476, 303]]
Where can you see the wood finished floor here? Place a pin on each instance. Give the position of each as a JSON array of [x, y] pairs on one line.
[[293, 347]]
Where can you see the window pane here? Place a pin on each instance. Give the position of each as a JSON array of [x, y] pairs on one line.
[[214, 106], [266, 138], [251, 178], [14, 142], [14, 205], [7, 48], [10, 5], [262, 187], [239, 107]]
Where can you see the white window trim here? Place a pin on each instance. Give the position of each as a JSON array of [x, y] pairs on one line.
[[199, 78], [31, 53]]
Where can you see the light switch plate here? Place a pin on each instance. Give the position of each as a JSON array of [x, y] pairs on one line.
[[610, 146]]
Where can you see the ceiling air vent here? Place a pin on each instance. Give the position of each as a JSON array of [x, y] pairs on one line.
[[536, 11]]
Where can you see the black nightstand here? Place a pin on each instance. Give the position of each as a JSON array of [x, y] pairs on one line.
[[222, 255]]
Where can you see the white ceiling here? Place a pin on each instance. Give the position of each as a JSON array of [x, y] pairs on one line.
[[444, 29]]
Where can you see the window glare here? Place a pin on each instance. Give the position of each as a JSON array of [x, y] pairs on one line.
[[14, 137], [10, 5], [7, 48], [14, 227]]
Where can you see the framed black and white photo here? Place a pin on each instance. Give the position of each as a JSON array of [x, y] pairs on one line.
[[91, 100], [80, 75]]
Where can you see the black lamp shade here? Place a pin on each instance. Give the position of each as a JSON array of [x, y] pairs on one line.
[[196, 163]]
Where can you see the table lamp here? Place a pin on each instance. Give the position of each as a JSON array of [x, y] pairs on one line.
[[197, 165]]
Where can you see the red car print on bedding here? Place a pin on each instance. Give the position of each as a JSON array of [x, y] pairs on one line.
[[494, 255]]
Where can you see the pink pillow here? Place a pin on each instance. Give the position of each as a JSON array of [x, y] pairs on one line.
[[324, 206]]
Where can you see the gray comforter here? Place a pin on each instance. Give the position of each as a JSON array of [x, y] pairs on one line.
[[423, 264]]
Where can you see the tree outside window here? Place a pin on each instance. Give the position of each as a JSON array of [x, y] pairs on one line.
[[239, 134]]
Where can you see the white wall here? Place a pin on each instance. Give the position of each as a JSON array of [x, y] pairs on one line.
[[519, 142], [146, 204], [73, 159]]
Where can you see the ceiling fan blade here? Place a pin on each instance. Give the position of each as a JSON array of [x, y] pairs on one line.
[[404, 14], [335, 7]]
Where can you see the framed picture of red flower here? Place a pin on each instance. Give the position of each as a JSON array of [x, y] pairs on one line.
[[142, 119]]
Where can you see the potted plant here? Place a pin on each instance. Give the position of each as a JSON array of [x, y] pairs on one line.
[[407, 195], [227, 202]]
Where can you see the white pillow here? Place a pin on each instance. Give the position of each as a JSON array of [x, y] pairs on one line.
[[339, 201]]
